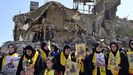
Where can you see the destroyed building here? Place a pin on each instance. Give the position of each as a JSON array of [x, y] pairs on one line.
[[53, 21]]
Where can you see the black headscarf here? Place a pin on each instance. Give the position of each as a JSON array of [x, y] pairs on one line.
[[42, 47], [29, 47], [55, 48], [15, 48], [66, 47], [95, 46], [130, 45], [116, 46]]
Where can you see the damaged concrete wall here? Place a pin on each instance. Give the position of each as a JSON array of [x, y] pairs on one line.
[[66, 23], [110, 7], [55, 22]]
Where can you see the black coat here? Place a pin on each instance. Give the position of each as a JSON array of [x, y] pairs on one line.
[[1, 62], [38, 66], [89, 66], [58, 65]]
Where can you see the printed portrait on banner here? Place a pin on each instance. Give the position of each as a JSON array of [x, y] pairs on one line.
[[112, 63], [81, 50], [130, 59], [100, 60], [72, 68], [10, 65]]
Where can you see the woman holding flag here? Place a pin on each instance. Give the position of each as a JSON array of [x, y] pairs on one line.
[[117, 61]]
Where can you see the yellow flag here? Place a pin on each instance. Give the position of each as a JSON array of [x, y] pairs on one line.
[[72, 68], [49, 45], [80, 50]]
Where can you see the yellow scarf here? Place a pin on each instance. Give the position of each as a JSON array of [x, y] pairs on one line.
[[72, 69], [50, 72], [63, 59], [34, 58], [14, 55], [102, 69], [79, 60], [43, 54], [113, 62], [130, 63]]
